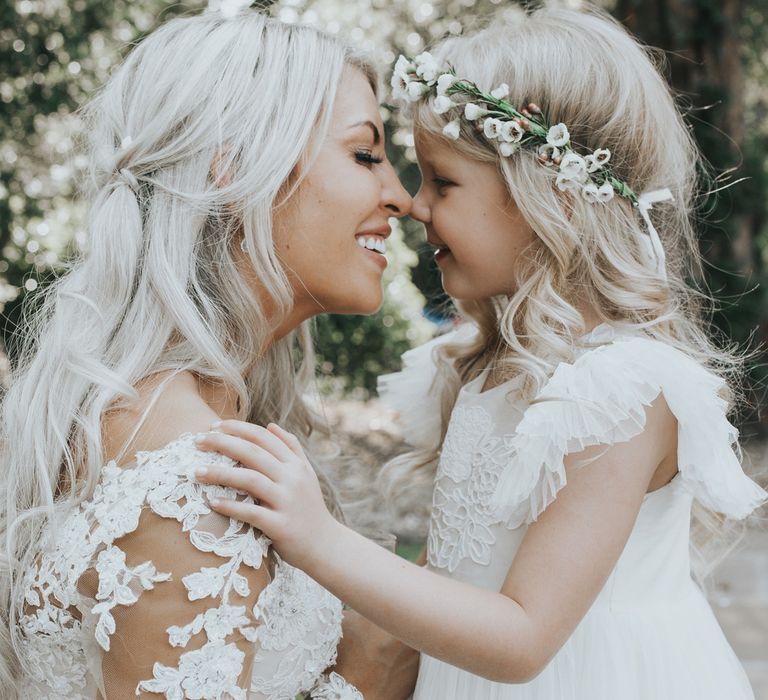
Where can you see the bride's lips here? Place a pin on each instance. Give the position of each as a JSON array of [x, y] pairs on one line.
[[374, 238]]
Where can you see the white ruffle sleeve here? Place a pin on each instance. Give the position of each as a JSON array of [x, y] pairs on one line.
[[601, 399], [412, 392]]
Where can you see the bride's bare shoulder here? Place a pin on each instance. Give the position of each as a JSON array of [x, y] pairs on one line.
[[173, 406]]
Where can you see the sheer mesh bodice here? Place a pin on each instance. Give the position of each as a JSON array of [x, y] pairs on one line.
[[143, 590]]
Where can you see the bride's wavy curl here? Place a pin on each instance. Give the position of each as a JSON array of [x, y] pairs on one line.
[[584, 70], [157, 289]]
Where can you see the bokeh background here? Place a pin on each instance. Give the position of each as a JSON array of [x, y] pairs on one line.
[[55, 53]]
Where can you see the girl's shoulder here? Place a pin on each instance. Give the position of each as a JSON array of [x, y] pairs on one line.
[[601, 398], [413, 392]]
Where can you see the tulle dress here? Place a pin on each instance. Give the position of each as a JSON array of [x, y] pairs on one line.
[[650, 634], [144, 590]]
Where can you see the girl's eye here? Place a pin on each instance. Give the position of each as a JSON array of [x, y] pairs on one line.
[[441, 183], [367, 158]]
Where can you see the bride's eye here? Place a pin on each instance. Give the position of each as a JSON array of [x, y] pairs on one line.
[[367, 158]]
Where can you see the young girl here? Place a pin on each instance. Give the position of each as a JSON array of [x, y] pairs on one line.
[[586, 413]]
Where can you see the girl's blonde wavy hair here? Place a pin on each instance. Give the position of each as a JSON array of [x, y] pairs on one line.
[[158, 289], [584, 70]]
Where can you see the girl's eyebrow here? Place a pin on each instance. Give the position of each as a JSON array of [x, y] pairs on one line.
[[368, 122]]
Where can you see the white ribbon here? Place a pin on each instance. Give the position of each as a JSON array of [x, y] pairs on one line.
[[652, 244]]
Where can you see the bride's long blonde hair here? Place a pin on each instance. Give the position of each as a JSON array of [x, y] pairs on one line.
[[584, 70], [157, 288]]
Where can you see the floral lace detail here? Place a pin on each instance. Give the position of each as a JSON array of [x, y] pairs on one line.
[[60, 620], [300, 624], [471, 462], [334, 687]]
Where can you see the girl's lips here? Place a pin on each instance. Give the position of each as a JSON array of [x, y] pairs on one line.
[[441, 254]]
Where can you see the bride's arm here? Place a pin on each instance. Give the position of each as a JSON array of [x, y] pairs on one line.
[[510, 636], [380, 666]]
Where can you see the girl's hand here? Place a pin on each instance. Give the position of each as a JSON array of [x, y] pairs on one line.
[[290, 510]]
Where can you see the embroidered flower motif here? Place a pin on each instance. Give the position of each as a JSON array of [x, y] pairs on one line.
[[558, 135], [209, 672], [471, 463], [452, 129], [334, 687]]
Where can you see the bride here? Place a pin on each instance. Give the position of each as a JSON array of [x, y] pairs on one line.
[[230, 156]]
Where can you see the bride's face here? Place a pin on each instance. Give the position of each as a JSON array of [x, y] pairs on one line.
[[344, 200]]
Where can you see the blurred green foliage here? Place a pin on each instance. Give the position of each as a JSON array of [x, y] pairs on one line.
[[55, 53]]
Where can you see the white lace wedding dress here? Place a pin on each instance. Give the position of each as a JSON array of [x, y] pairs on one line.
[[143, 590], [650, 635]]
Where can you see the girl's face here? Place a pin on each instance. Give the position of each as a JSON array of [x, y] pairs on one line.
[[343, 202], [470, 218]]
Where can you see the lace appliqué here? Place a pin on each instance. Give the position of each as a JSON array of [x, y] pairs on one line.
[[300, 624], [334, 687], [471, 462], [54, 638]]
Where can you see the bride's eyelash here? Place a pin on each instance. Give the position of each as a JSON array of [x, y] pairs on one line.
[[367, 157]]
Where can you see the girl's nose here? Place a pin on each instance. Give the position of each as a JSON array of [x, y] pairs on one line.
[[420, 208]]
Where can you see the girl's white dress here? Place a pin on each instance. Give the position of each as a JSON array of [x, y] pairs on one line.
[[651, 634], [95, 601]]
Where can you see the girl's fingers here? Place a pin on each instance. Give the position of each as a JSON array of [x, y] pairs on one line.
[[260, 517], [259, 436], [289, 439], [248, 481], [248, 454]]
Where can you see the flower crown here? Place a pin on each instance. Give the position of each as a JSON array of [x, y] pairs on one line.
[[508, 128], [511, 129]]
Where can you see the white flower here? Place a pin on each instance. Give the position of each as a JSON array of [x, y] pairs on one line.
[[602, 156], [507, 149], [605, 192], [500, 92], [592, 164], [589, 192], [400, 78], [492, 128], [511, 131], [573, 166], [445, 81], [473, 111], [442, 104], [549, 151], [416, 90], [426, 67], [566, 183], [452, 130], [558, 135]]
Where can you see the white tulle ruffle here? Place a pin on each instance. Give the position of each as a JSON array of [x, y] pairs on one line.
[[601, 399], [412, 391]]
